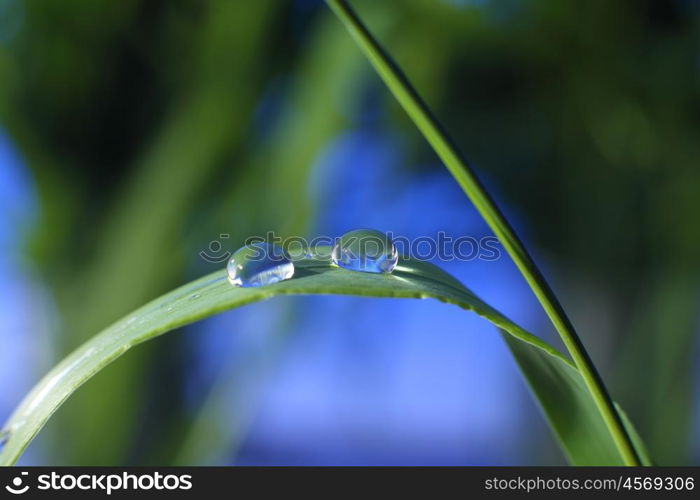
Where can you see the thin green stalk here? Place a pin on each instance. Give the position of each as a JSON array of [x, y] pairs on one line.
[[465, 177]]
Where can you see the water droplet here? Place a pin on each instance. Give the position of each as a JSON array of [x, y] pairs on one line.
[[259, 264], [194, 297], [365, 250]]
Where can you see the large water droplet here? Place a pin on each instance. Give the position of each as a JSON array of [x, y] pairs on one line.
[[259, 264], [365, 250]]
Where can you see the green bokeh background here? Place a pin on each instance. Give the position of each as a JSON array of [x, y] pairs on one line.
[[138, 122]]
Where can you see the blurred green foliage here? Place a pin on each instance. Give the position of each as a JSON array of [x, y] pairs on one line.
[[137, 119]]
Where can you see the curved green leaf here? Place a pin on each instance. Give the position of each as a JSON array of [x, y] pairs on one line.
[[556, 382]]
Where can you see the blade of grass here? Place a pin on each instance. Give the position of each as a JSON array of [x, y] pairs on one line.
[[447, 150], [571, 410]]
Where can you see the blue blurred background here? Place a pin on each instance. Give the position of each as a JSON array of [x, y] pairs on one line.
[[135, 133]]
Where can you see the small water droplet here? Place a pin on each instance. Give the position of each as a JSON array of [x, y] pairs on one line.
[[365, 250], [194, 297], [259, 264]]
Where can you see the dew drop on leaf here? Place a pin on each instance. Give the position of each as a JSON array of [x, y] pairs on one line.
[[259, 264], [365, 250]]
